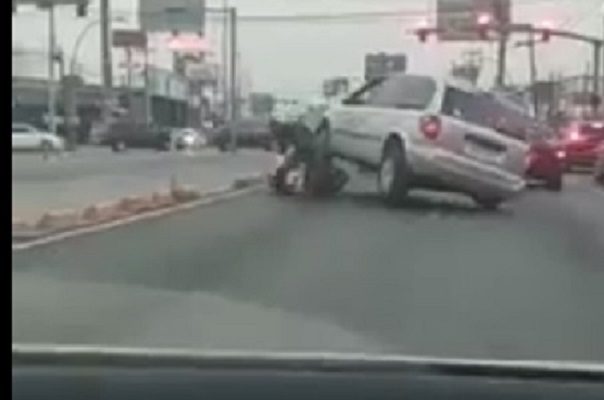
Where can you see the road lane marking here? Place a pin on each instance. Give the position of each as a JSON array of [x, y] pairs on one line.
[[221, 194]]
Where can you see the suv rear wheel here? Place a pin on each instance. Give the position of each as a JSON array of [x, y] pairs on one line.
[[393, 176], [488, 203]]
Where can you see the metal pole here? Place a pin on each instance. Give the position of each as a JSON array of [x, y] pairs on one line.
[[147, 108], [225, 61], [129, 81], [596, 76], [501, 58], [233, 76], [52, 104], [533, 72], [106, 63]]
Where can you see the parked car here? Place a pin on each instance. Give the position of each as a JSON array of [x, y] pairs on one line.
[[599, 165], [580, 139], [546, 164], [129, 134], [26, 137], [420, 132], [188, 138], [250, 132]]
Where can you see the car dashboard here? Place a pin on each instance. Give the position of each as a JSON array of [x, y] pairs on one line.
[[96, 373]]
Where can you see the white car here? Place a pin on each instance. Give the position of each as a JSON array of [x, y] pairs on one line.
[[420, 132], [188, 138], [27, 137]]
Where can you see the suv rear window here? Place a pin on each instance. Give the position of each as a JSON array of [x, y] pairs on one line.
[[592, 129], [485, 110]]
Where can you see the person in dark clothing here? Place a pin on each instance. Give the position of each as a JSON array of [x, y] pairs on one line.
[[306, 151]]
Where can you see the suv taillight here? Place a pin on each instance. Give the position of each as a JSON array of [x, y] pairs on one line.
[[430, 126]]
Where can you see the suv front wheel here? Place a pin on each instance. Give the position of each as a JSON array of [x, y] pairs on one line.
[[393, 176]]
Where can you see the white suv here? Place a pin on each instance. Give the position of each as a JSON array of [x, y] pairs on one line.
[[418, 132]]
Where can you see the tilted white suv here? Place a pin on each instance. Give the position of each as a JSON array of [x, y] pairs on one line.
[[419, 132]]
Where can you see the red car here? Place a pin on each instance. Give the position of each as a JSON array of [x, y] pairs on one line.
[[546, 164], [580, 140]]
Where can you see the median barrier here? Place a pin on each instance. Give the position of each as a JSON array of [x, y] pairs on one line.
[[102, 212], [136, 204], [162, 199], [56, 220], [184, 193]]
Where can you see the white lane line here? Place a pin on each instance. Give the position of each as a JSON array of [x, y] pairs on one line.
[[216, 196]]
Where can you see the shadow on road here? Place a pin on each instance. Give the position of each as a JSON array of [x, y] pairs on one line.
[[416, 203]]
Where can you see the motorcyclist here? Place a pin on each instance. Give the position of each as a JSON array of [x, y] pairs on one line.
[[305, 152]]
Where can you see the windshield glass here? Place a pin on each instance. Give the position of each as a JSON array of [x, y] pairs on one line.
[[334, 176]]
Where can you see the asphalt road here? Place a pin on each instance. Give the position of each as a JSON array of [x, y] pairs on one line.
[[96, 174], [436, 278]]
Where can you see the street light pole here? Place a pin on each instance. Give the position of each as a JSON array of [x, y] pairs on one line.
[[106, 63], [52, 103], [233, 77]]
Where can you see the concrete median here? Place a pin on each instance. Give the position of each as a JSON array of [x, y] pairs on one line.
[[57, 220], [112, 212]]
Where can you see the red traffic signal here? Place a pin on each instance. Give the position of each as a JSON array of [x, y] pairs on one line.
[[82, 10], [483, 23], [422, 35], [545, 29]]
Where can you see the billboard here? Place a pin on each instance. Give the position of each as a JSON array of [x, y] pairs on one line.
[[456, 19], [173, 15], [129, 38], [381, 65]]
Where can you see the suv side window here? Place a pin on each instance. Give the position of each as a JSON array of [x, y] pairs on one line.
[[405, 92], [365, 93], [21, 128], [465, 105]]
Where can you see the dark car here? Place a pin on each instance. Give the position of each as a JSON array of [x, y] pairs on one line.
[[129, 134], [580, 139], [251, 132]]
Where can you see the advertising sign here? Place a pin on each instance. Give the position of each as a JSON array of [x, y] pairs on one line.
[[456, 19], [129, 38], [174, 15], [381, 65]]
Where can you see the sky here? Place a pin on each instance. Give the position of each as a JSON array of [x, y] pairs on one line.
[[293, 58]]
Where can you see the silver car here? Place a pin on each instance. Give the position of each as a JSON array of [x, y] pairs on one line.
[[420, 132], [26, 137]]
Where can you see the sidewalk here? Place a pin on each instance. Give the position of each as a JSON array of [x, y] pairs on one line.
[[96, 175]]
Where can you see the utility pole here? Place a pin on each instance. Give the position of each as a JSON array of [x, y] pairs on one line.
[[52, 101], [106, 62], [533, 72], [233, 114], [225, 60], [596, 71], [504, 32], [501, 58]]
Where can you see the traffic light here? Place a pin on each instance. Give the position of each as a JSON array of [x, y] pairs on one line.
[[422, 30], [422, 35], [483, 23], [545, 29], [82, 10]]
